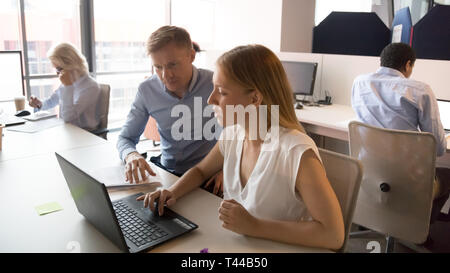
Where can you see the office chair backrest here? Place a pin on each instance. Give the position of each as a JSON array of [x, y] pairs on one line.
[[397, 186], [104, 105], [344, 174]]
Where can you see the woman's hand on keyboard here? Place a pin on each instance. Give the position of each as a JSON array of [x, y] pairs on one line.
[[162, 197]]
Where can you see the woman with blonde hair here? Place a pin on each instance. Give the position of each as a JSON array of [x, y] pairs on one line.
[[273, 188], [78, 93]]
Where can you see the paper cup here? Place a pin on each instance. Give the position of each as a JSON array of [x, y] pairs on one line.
[[20, 103]]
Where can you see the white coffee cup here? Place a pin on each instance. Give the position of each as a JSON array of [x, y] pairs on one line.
[[20, 103]]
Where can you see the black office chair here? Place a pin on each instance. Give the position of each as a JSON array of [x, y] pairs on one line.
[[103, 110]]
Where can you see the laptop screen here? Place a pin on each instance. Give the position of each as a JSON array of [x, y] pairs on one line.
[[444, 111]]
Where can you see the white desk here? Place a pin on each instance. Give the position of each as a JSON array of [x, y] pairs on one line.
[[62, 137], [30, 176], [329, 120], [36, 179], [199, 206], [332, 121]]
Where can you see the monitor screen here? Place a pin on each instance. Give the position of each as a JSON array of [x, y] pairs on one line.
[[11, 79], [444, 111], [301, 76]]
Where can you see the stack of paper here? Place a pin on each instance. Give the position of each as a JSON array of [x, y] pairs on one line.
[[115, 177]]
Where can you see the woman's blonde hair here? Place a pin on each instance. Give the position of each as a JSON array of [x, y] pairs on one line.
[[68, 57], [257, 67]]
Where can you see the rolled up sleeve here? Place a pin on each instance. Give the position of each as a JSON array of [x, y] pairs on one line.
[[430, 121], [134, 127]]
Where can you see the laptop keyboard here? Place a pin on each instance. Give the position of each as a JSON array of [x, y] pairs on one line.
[[134, 228]]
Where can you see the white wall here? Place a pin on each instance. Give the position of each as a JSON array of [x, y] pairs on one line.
[[297, 25], [339, 71], [435, 73], [241, 22], [336, 72], [281, 25]]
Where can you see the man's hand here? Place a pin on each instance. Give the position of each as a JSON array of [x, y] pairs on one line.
[[135, 164], [218, 183], [35, 102]]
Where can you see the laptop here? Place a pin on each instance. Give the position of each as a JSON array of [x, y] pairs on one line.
[[444, 111], [125, 222], [10, 120]]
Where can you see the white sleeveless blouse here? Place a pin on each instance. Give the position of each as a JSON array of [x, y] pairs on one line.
[[270, 192]]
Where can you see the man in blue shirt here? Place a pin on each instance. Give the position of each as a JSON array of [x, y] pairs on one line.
[[177, 84], [389, 99]]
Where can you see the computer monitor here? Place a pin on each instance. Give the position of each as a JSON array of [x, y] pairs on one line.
[[444, 111], [301, 76], [11, 77]]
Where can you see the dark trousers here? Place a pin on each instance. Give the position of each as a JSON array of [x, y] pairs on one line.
[[157, 161], [443, 175]]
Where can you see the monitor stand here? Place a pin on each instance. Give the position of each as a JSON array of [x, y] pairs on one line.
[[305, 100]]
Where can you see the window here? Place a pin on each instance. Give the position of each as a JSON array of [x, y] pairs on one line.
[[198, 21], [325, 7], [9, 26], [418, 8], [222, 25], [49, 22], [123, 92], [120, 53], [44, 88]]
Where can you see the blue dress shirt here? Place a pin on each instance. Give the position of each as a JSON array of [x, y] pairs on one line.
[[153, 99], [389, 100]]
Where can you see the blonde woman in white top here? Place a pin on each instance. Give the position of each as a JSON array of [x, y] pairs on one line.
[[273, 190], [78, 94]]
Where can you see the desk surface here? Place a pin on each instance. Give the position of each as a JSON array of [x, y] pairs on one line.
[[330, 120], [334, 116], [62, 137], [198, 206], [23, 230]]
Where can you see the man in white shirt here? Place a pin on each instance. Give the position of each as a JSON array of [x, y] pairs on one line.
[[389, 99]]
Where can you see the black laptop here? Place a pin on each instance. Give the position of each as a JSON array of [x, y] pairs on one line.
[[125, 222]]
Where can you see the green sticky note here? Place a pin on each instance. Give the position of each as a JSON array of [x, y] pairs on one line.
[[48, 208]]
